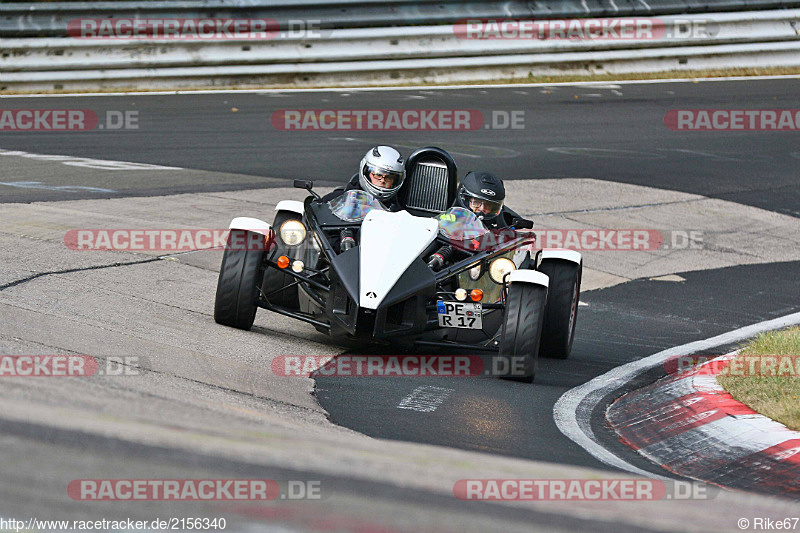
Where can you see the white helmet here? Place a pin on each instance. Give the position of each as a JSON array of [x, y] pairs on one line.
[[384, 161]]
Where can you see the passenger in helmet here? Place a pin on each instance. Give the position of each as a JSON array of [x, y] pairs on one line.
[[381, 173], [483, 193]]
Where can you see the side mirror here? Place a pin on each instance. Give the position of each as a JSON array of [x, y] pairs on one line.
[[521, 223], [307, 185]]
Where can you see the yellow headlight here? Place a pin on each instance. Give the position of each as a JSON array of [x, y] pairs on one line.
[[292, 232], [499, 268]]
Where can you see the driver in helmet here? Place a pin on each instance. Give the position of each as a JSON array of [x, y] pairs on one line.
[[381, 173], [483, 193]]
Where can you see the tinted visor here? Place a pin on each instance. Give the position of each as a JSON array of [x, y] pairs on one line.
[[481, 206], [381, 177]]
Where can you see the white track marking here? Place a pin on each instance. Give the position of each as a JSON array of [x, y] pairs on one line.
[[405, 88], [668, 277], [40, 185], [86, 162], [425, 399], [572, 412]]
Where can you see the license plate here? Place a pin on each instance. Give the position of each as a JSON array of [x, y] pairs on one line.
[[459, 315]]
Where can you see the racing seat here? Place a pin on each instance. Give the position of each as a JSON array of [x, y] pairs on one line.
[[431, 181]]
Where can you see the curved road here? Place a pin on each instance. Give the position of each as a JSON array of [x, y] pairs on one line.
[[607, 132], [611, 133]]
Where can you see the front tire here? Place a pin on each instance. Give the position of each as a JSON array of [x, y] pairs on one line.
[[239, 278], [522, 329], [561, 313]]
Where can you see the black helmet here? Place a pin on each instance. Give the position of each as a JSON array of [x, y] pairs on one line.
[[483, 193]]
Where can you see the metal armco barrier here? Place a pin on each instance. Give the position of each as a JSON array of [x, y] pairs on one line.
[[49, 19], [390, 55]]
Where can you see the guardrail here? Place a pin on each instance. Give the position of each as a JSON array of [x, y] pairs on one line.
[[50, 19], [394, 55]]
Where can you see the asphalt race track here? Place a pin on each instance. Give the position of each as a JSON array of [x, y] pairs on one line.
[[611, 132], [195, 159], [620, 324]]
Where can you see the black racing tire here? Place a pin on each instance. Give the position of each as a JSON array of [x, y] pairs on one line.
[[237, 287], [561, 314], [274, 279], [522, 329]]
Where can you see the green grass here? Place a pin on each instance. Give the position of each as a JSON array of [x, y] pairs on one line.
[[774, 396]]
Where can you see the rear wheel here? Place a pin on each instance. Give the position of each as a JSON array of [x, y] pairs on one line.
[[239, 277], [277, 286], [522, 329], [561, 313]]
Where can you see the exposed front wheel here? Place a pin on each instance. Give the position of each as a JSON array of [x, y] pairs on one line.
[[561, 313], [521, 330], [239, 279]]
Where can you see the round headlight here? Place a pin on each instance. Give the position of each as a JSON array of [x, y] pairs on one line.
[[475, 272], [499, 268], [292, 232]]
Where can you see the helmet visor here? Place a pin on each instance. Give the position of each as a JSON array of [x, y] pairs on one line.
[[383, 178], [482, 206], [353, 206]]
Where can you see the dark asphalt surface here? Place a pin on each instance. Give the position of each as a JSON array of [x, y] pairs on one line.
[[68, 455], [612, 133], [621, 324], [605, 132]]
